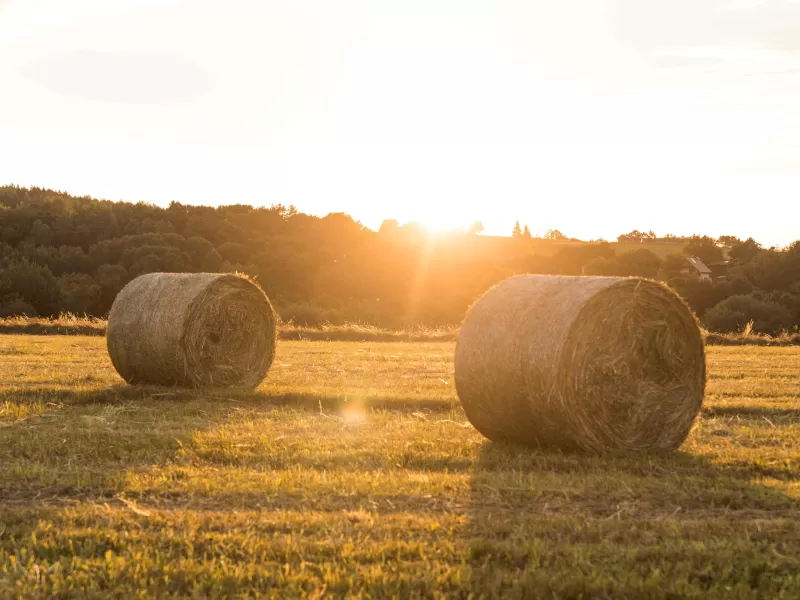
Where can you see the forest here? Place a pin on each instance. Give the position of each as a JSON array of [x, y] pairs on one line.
[[61, 253]]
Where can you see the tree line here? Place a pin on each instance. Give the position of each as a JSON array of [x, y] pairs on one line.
[[62, 253]]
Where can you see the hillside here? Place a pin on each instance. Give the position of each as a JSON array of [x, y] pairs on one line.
[[60, 253]]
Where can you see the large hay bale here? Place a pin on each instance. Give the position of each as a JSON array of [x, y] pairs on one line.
[[206, 329], [581, 363]]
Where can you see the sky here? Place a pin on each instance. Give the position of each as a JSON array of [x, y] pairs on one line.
[[593, 117]]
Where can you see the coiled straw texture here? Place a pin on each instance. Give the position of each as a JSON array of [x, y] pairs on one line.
[[193, 330], [597, 364]]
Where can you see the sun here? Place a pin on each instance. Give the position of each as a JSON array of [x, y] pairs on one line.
[[443, 221]]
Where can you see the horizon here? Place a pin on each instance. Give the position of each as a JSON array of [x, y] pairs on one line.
[[438, 232], [590, 118]]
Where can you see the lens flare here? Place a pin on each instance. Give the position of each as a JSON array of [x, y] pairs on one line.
[[354, 412]]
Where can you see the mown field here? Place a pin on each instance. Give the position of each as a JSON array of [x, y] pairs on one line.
[[352, 472]]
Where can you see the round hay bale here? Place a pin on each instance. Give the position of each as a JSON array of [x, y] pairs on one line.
[[598, 364], [195, 330]]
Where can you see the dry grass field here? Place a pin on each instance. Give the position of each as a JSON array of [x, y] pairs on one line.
[[352, 472]]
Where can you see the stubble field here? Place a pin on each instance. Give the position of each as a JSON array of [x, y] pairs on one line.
[[352, 472]]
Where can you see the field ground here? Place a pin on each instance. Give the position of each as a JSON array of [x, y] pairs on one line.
[[352, 471]]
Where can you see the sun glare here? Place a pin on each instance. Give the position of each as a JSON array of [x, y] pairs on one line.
[[441, 225], [442, 221]]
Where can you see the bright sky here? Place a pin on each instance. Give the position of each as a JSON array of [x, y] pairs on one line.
[[594, 117]]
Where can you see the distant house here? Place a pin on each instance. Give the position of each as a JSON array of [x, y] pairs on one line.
[[696, 268], [719, 270]]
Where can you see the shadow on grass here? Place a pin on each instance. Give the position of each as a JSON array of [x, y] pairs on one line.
[[87, 439], [769, 412], [551, 525], [313, 402]]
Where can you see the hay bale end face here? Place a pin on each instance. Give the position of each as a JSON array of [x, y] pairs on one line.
[[599, 364], [194, 330]]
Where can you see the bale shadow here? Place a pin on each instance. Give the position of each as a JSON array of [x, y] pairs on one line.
[[83, 422], [86, 440], [552, 525], [752, 411], [311, 402]]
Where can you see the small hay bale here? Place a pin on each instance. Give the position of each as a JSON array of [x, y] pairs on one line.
[[194, 330], [598, 364]]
